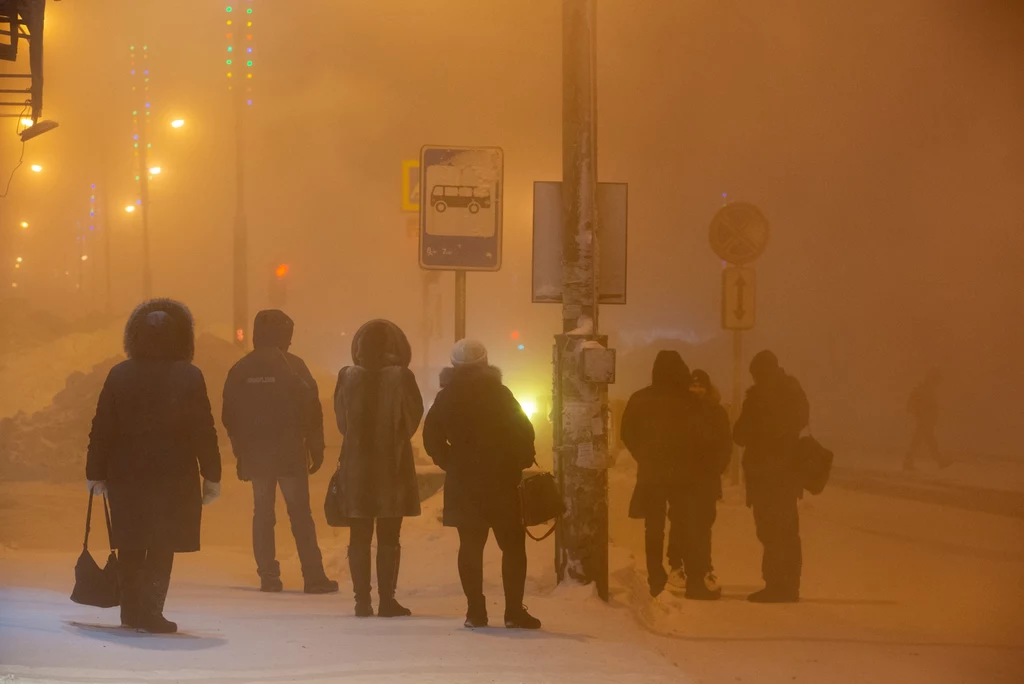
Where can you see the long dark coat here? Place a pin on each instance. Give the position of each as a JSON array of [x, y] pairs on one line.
[[775, 411], [378, 408], [479, 435], [657, 429], [153, 434], [272, 406]]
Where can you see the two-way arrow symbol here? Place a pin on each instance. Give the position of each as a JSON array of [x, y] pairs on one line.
[[741, 285]]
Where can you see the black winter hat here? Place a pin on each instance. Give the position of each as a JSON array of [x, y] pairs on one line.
[[669, 368], [272, 328], [764, 363]]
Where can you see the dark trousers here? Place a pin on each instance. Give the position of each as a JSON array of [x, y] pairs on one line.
[[698, 511], [389, 556], [778, 529], [296, 497], [511, 538], [670, 505], [143, 578], [924, 438]]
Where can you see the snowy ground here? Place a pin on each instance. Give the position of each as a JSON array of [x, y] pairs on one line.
[[895, 591]]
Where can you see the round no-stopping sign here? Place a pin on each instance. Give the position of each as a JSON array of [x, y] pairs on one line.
[[739, 233]]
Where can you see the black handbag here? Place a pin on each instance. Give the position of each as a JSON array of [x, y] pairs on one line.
[[815, 464], [333, 500], [540, 502], [95, 586]]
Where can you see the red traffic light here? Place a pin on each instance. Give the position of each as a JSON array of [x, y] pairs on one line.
[[281, 271]]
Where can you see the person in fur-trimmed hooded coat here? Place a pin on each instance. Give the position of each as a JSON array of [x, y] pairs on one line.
[[378, 408], [152, 438]]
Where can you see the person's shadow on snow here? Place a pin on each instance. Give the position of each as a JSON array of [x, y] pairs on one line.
[[182, 641]]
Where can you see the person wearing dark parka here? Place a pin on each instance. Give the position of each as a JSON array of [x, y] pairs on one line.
[[775, 412], [657, 429], [273, 417], [378, 407], [152, 439], [480, 436]]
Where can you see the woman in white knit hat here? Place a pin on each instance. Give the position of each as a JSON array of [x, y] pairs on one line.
[[477, 432]]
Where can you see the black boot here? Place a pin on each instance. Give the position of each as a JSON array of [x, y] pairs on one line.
[[388, 561], [359, 568], [129, 579], [520, 619], [156, 582], [320, 585], [271, 585], [476, 613]]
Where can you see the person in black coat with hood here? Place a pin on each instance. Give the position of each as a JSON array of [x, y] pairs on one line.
[[152, 438], [273, 417], [378, 408], [656, 427], [775, 412], [479, 435]]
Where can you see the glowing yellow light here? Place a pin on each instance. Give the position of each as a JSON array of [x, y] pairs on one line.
[[18, 260], [25, 121], [155, 170], [85, 257], [14, 284], [36, 168], [130, 208], [529, 407], [24, 224], [177, 123]]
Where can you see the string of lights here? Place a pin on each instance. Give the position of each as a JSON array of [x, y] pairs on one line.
[[241, 49]]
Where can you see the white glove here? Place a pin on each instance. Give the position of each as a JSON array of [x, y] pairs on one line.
[[97, 487], [211, 492]]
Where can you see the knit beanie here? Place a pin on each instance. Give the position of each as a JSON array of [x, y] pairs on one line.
[[469, 353]]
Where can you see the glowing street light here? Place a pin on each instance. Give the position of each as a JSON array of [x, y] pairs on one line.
[[24, 224], [130, 208], [25, 121], [36, 168], [177, 123], [155, 170], [18, 260], [85, 257]]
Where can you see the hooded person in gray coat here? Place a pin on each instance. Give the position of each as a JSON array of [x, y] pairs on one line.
[[152, 438], [378, 407], [273, 416]]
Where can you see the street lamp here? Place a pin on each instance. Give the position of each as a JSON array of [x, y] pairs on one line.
[[130, 208], [177, 123], [26, 121], [24, 224], [36, 168], [155, 170]]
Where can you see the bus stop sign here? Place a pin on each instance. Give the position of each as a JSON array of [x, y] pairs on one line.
[[460, 208], [739, 233]]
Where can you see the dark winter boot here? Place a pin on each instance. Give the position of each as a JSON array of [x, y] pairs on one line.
[[697, 590], [129, 578], [271, 585], [476, 613], [359, 568], [520, 619], [388, 561], [775, 594], [156, 582], [320, 585]]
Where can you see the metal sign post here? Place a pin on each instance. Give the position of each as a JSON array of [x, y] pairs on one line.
[[739, 234]]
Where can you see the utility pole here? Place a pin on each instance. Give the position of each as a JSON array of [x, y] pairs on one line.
[[460, 305], [240, 308], [581, 407]]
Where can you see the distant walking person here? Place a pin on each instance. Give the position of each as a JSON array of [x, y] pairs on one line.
[[657, 428], [274, 420], [152, 438], [923, 406], [775, 412], [479, 435], [701, 486], [378, 407]]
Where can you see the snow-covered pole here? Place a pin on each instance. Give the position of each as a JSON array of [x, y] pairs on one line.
[[581, 405]]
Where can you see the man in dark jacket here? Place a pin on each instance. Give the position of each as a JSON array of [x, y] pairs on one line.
[[701, 485], [656, 427], [923, 407], [152, 438], [479, 435], [775, 411], [274, 420]]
